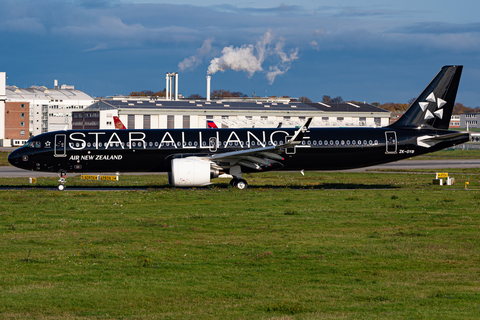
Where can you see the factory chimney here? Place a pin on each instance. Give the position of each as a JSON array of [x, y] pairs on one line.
[[171, 86], [55, 84], [167, 85], [176, 86], [208, 88]]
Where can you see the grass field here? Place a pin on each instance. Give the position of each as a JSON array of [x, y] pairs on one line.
[[384, 245]]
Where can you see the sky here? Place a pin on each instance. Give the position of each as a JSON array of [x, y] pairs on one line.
[[371, 50]]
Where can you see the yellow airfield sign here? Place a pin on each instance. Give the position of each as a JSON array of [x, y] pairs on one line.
[[442, 175], [98, 177]]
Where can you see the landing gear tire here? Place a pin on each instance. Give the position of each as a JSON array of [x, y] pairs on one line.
[[241, 184], [233, 182], [63, 175]]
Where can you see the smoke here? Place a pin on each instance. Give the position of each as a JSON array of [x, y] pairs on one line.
[[250, 58], [195, 60]]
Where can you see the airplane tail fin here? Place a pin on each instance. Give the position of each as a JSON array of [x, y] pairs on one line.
[[118, 123], [433, 107], [211, 124]]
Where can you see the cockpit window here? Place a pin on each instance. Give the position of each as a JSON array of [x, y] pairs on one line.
[[33, 144]]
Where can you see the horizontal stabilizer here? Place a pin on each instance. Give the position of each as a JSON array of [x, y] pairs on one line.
[[430, 141]]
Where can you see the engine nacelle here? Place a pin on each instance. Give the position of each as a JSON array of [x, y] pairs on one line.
[[191, 172]]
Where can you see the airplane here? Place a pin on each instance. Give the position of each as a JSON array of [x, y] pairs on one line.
[[192, 157], [211, 124], [118, 123]]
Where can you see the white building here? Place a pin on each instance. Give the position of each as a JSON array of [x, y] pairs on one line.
[[50, 109], [146, 113], [3, 98]]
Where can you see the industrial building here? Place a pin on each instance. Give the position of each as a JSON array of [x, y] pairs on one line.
[[39, 109], [175, 113], [226, 113]]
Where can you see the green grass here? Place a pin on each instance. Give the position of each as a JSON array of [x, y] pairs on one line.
[[450, 154], [406, 251], [4, 158], [294, 180]]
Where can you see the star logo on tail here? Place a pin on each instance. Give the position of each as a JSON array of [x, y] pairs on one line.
[[440, 103]]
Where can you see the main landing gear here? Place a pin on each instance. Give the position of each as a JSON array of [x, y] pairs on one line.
[[240, 184], [62, 180]]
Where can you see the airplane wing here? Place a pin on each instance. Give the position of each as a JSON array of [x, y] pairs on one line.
[[257, 158], [429, 140]]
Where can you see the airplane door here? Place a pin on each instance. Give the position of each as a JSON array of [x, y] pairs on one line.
[[60, 145], [391, 142], [291, 150], [212, 144]]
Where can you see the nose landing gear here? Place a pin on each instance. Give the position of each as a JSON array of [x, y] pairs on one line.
[[62, 180]]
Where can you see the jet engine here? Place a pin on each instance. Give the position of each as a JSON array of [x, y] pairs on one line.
[[192, 172]]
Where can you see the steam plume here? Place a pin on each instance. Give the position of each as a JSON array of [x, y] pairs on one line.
[[195, 60], [250, 58]]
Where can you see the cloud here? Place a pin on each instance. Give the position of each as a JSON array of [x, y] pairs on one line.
[[250, 58], [439, 28], [194, 61], [24, 25]]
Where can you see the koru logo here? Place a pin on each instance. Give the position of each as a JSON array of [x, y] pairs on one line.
[[440, 104]]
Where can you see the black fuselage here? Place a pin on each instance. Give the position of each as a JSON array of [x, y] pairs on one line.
[[152, 150]]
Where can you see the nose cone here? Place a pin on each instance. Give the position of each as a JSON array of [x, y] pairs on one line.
[[15, 157]]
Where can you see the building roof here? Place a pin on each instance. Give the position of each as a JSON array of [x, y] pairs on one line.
[[217, 105], [43, 93]]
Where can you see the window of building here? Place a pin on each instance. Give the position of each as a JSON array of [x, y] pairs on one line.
[[378, 121], [131, 121], [22, 115], [170, 121], [22, 106], [22, 133], [146, 121], [339, 118], [186, 122], [22, 124]]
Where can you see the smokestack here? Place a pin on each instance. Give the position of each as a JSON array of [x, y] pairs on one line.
[[167, 85], [176, 86], [55, 84], [171, 86], [208, 88]]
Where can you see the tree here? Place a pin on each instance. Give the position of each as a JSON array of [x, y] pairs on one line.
[[337, 100], [304, 100], [227, 94], [147, 93], [411, 101], [326, 99], [195, 96]]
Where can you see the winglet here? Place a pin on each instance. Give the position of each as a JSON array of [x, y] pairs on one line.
[[298, 136]]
